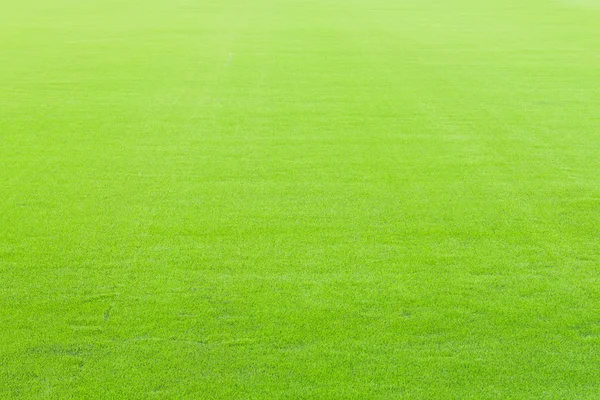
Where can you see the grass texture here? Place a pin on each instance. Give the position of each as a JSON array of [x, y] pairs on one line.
[[300, 199]]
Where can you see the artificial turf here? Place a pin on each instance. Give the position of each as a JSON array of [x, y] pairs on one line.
[[300, 199]]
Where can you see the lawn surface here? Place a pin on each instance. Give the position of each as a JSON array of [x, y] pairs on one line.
[[357, 199]]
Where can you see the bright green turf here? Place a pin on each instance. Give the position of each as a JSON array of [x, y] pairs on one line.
[[300, 199]]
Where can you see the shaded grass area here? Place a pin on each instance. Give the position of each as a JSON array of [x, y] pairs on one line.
[[299, 199]]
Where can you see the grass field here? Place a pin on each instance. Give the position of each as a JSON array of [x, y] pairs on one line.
[[302, 199]]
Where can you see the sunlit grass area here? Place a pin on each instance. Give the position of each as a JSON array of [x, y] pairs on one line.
[[300, 199]]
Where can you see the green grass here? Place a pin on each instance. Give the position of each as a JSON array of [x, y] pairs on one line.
[[352, 199]]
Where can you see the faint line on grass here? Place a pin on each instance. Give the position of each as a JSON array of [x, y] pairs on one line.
[[229, 56]]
